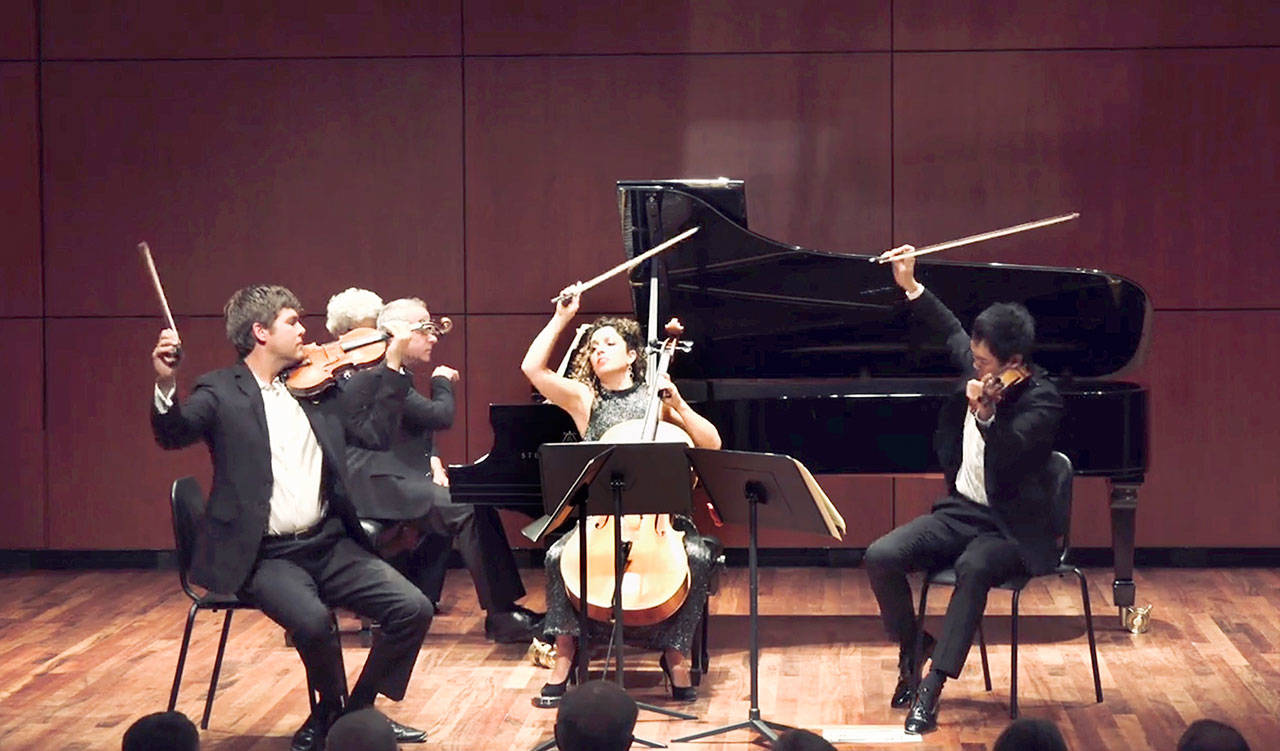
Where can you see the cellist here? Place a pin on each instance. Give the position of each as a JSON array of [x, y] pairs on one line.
[[605, 385]]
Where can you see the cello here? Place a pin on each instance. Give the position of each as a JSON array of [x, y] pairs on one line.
[[655, 577]]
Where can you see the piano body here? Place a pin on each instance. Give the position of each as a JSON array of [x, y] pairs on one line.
[[813, 354]]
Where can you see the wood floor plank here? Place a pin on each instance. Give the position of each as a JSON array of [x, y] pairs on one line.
[[82, 654]]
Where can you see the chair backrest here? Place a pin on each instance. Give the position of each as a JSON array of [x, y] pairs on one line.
[[186, 499], [1058, 480]]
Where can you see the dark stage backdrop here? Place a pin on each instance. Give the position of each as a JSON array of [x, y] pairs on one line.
[[466, 151]]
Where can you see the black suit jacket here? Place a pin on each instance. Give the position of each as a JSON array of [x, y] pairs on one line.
[[225, 410], [1018, 443], [396, 483]]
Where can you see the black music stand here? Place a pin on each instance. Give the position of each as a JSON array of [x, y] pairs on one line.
[[596, 479], [757, 489]]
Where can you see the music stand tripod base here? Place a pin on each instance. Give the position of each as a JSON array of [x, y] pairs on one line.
[[739, 484]]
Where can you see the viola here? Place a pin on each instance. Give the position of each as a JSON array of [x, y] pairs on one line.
[[655, 577], [359, 348]]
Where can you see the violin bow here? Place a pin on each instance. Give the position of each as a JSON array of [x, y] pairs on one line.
[[145, 251], [888, 255], [625, 265]]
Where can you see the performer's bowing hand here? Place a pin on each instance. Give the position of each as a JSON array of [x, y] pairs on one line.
[[164, 357], [400, 335]]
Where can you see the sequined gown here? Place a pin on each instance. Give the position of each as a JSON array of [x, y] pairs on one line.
[[676, 632]]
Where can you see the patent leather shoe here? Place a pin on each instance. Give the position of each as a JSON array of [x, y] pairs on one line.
[[678, 693], [406, 734], [310, 737], [512, 627], [909, 675], [923, 715], [551, 693]]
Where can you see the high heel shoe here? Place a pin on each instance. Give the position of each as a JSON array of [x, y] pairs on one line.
[[678, 693], [551, 693]]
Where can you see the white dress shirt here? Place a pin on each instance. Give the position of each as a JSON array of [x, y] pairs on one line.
[[296, 459], [971, 480]]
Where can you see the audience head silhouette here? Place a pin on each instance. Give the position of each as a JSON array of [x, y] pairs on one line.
[[1030, 734], [1211, 735], [361, 730], [802, 740], [161, 731], [596, 716]]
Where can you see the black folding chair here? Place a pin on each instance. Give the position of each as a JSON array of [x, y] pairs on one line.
[[187, 502], [1059, 475]]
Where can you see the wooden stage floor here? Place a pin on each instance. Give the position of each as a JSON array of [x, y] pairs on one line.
[[83, 654]]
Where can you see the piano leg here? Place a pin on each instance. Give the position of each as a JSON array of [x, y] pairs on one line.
[[1124, 508]]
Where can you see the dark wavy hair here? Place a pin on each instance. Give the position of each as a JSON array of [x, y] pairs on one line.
[[260, 303], [580, 368], [1007, 328]]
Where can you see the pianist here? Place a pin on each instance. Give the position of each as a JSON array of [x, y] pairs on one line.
[[994, 522], [606, 389]]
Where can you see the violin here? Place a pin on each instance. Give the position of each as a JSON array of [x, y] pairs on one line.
[[993, 387], [655, 578], [359, 348]]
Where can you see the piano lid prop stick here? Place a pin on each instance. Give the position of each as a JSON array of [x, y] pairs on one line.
[[626, 265], [886, 257], [155, 280]]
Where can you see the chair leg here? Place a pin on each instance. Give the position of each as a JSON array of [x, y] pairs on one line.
[[982, 651], [217, 669], [1013, 657], [182, 656], [1093, 645]]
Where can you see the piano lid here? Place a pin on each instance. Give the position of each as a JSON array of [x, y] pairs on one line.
[[758, 308]]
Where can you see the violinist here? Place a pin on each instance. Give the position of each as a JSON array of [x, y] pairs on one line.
[[407, 483], [605, 386], [993, 440], [280, 529]]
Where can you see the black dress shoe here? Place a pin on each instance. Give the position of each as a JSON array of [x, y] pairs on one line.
[[406, 734], [310, 737], [909, 674], [923, 715], [511, 627]]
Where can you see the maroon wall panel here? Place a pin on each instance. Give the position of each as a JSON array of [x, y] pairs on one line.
[[17, 29], [666, 26], [1169, 155], [914, 495], [495, 347], [245, 28], [1016, 24], [316, 174], [808, 133], [108, 481], [19, 192], [1214, 478], [22, 461]]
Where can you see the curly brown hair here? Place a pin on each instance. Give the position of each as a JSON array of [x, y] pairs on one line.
[[580, 368]]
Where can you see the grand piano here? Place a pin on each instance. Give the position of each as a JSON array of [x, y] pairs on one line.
[[813, 354]]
